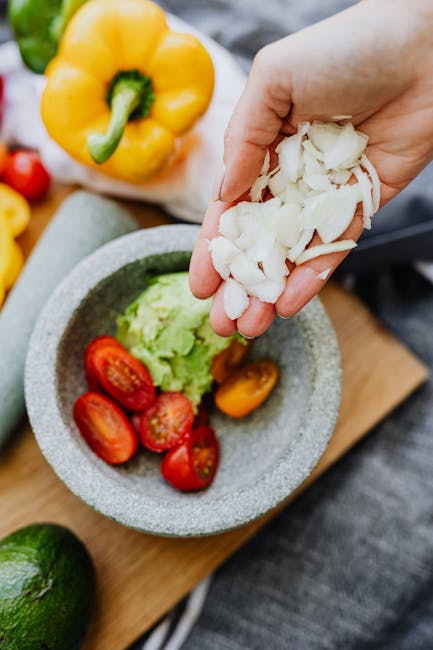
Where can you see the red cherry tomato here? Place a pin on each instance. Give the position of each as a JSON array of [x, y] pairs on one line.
[[121, 375], [167, 422], [25, 172], [192, 465], [105, 428], [99, 342]]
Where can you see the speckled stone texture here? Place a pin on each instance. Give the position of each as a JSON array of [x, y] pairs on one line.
[[264, 456], [82, 224]]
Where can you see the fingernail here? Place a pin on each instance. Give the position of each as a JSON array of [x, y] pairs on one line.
[[284, 317], [250, 338], [218, 183]]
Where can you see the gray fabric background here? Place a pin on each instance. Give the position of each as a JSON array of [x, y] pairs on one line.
[[350, 564]]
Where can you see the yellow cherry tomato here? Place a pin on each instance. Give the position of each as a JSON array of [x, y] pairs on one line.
[[247, 388]]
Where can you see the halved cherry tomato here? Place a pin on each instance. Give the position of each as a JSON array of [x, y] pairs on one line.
[[228, 360], [247, 388], [100, 341], [25, 172], [167, 422], [105, 428], [192, 465], [122, 376]]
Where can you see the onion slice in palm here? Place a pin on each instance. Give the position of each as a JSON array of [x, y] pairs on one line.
[[325, 249], [375, 180], [367, 202]]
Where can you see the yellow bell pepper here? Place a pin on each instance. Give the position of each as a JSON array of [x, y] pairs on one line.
[[16, 263], [6, 242], [14, 218], [123, 86], [15, 209]]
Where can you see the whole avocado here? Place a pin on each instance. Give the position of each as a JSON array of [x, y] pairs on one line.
[[47, 589]]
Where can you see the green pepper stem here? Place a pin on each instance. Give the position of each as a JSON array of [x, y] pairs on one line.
[[130, 96], [67, 10], [103, 145]]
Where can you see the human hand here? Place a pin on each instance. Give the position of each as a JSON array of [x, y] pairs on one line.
[[373, 62]]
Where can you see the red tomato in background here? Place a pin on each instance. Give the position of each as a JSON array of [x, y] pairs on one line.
[[192, 465], [99, 342], [167, 422], [3, 156], [105, 428], [122, 376], [27, 175]]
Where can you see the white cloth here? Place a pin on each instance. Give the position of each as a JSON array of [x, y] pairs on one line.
[[184, 189]]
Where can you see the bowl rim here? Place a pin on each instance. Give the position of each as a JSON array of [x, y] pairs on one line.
[[56, 443]]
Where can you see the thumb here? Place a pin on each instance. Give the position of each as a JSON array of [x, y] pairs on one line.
[[254, 125]]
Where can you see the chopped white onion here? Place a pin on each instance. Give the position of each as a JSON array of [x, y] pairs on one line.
[[245, 270], [324, 274], [235, 299], [325, 249], [246, 240], [340, 176], [274, 265], [312, 193], [324, 136], [309, 146], [292, 194], [223, 251], [366, 163], [268, 290], [257, 188], [348, 147], [338, 118], [367, 202], [278, 183], [301, 245], [289, 152], [285, 224], [229, 223], [330, 213], [265, 240]]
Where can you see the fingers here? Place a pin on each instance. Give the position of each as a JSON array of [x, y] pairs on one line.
[[203, 279], [306, 280], [219, 320], [254, 321], [256, 318], [254, 125]]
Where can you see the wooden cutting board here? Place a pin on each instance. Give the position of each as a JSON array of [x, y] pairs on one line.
[[141, 577]]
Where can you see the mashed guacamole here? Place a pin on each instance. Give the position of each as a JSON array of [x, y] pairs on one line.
[[169, 331]]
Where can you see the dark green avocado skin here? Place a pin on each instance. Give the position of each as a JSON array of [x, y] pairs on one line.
[[47, 589]]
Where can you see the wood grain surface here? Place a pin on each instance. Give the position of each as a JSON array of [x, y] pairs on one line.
[[140, 577]]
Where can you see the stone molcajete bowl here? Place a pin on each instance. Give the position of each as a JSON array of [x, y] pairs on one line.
[[264, 457]]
